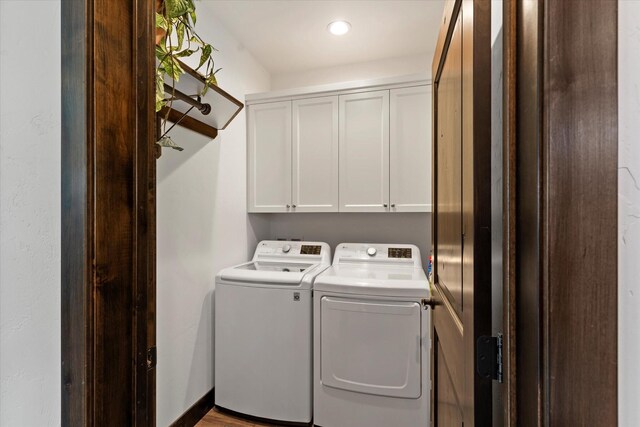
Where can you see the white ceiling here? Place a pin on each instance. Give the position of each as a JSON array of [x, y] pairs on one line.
[[291, 35]]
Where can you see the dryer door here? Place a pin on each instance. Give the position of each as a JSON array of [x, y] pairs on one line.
[[371, 346]]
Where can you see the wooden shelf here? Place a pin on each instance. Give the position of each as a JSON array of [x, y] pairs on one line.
[[224, 107]]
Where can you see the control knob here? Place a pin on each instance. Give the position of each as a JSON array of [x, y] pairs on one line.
[[371, 251], [286, 248]]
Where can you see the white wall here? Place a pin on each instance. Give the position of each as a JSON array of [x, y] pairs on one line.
[[336, 228], [390, 67], [629, 213], [202, 227], [30, 213]]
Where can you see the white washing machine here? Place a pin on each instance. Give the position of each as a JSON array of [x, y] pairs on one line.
[[263, 331], [372, 338]]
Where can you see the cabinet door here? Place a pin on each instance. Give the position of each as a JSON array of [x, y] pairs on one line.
[[269, 154], [315, 155], [364, 152], [410, 149]]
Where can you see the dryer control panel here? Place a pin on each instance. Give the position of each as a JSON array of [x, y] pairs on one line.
[[399, 254]]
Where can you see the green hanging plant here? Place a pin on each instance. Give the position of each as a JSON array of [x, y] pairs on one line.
[[176, 39]]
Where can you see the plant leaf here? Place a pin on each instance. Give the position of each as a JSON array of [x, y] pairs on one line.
[[212, 78], [206, 53], [161, 22], [192, 12], [185, 53], [161, 52], [172, 67], [177, 8], [180, 33], [179, 16], [166, 141], [160, 101]]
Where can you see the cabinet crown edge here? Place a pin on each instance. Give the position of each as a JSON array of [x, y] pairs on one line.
[[343, 88]]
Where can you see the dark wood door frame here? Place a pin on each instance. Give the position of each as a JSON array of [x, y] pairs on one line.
[[108, 213], [560, 193]]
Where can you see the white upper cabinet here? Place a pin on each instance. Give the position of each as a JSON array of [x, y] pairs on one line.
[[315, 155], [410, 149], [360, 148], [364, 152], [269, 157]]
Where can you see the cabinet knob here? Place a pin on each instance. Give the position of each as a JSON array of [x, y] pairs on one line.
[[288, 206], [385, 205], [393, 205], [293, 206]]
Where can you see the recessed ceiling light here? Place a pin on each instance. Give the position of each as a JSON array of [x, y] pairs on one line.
[[339, 28]]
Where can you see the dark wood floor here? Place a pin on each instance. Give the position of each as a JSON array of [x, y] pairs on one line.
[[219, 419]]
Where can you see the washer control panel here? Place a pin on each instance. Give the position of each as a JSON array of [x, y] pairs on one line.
[[399, 253], [293, 249], [310, 249], [375, 252]]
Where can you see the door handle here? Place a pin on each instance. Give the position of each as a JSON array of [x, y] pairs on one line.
[[428, 302]]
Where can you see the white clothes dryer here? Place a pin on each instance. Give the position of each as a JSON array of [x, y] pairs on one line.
[[263, 331], [372, 338]]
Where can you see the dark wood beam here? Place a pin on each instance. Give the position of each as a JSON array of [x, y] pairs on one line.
[[580, 215], [108, 211], [561, 140]]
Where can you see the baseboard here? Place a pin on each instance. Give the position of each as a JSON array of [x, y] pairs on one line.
[[197, 411]]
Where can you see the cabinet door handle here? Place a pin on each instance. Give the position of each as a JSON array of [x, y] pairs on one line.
[[288, 206], [385, 205], [293, 206], [393, 205]]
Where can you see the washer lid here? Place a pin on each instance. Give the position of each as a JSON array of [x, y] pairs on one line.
[[275, 262], [269, 272], [363, 279], [282, 267]]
